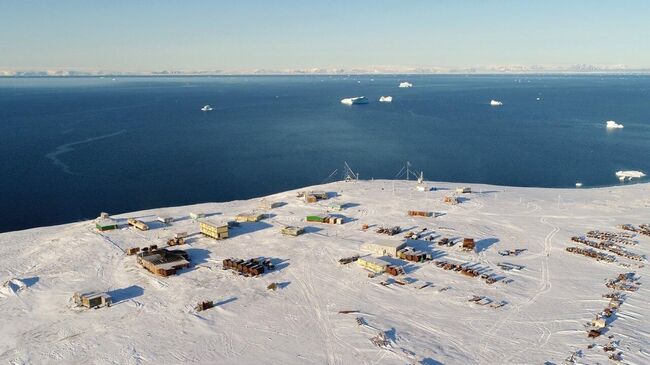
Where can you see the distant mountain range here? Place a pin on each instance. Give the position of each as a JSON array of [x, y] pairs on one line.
[[380, 70]]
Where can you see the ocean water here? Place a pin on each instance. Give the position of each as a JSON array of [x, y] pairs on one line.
[[70, 148]]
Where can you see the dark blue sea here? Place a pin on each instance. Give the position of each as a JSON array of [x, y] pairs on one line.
[[73, 147]]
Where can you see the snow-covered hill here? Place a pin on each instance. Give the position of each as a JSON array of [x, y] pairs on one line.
[[152, 320]]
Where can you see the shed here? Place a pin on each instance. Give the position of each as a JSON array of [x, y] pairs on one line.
[[196, 216], [248, 217], [384, 247], [268, 205], [468, 244], [320, 218], [165, 219], [464, 190], [451, 199], [310, 198], [292, 230], [216, 230], [105, 224], [320, 195], [337, 207], [372, 264], [419, 213], [92, 299], [138, 224], [598, 323]]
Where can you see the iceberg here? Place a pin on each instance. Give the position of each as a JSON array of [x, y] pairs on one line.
[[355, 100], [206, 108], [629, 175], [386, 99], [405, 84], [495, 103], [613, 125]]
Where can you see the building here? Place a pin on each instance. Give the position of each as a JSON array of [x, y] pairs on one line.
[[165, 219], [410, 254], [419, 213], [216, 230], [196, 216], [92, 300], [268, 205], [163, 262], [105, 224], [337, 207], [372, 264], [248, 217], [334, 220], [452, 199], [464, 190], [320, 195], [313, 196], [383, 247], [137, 224], [292, 231], [320, 218], [468, 244]]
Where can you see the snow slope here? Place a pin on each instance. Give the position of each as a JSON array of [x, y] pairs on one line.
[[153, 320]]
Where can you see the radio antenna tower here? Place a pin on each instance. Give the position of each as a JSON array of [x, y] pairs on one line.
[[348, 173]]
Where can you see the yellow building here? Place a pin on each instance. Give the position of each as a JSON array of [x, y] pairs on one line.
[[372, 264], [248, 217], [218, 231]]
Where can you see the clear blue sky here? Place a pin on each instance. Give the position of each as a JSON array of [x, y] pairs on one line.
[[154, 35]]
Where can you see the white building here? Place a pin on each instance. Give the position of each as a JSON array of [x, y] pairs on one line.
[[383, 247]]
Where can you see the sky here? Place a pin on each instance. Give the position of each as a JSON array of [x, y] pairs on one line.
[[290, 34]]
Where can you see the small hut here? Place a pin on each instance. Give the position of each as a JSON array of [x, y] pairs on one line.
[[92, 300], [292, 231], [468, 244], [372, 264], [248, 217], [105, 224]]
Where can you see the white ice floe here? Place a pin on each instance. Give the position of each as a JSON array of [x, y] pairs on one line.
[[206, 108], [629, 175], [495, 103], [405, 84], [578, 184], [613, 125], [355, 100], [386, 99]]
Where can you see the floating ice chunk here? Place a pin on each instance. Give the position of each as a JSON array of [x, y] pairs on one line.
[[495, 103], [405, 84], [629, 175], [613, 125], [386, 99], [355, 100], [578, 184]]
